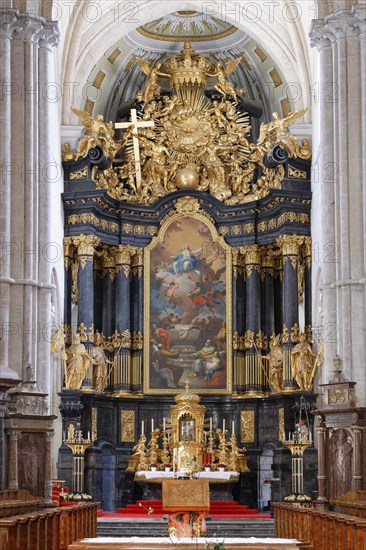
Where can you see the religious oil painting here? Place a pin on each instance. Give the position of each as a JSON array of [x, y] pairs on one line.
[[188, 309]]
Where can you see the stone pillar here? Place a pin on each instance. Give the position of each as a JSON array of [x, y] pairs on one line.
[[340, 39], [49, 39], [13, 460], [48, 468], [254, 375], [238, 320], [322, 478], [7, 20], [122, 374], [326, 164], [30, 35], [137, 297], [290, 246]]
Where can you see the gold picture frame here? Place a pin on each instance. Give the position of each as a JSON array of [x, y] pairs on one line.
[[188, 308]]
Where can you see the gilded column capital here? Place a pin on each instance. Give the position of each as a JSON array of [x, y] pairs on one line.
[[237, 257], [290, 244], [68, 251], [86, 244], [251, 253], [124, 253], [109, 260], [137, 257]]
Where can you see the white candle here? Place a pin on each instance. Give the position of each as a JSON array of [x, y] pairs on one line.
[[223, 425], [152, 424], [89, 436], [232, 427], [211, 424], [163, 424], [310, 436], [142, 427]]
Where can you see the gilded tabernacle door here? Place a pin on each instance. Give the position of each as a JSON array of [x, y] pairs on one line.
[[187, 308]]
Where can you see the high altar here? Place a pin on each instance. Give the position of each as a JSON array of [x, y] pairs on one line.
[[187, 264]]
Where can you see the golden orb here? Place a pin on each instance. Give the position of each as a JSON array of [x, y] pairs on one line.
[[187, 178]]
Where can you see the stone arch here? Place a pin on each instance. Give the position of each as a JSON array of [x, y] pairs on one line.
[[279, 31]]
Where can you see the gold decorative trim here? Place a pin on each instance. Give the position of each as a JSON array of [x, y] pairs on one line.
[[79, 175], [162, 38], [128, 426], [281, 424], [116, 53], [296, 173], [94, 425], [88, 217], [247, 426]]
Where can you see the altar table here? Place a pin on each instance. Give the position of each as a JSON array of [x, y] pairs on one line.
[[221, 483], [165, 543]]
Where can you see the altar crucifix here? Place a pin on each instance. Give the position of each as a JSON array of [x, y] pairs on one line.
[[136, 124]]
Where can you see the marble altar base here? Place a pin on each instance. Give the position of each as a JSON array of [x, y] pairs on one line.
[[165, 543]]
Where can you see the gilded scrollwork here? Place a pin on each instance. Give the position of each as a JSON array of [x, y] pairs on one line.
[[185, 140]]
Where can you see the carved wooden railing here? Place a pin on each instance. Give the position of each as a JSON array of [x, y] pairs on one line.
[[49, 529], [320, 530]]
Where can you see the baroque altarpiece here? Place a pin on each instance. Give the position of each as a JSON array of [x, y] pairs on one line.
[[187, 258]]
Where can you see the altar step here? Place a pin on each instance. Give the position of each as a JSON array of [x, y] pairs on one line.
[[157, 527], [218, 509]]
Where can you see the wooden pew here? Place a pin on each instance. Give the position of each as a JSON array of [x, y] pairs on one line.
[[14, 503], [49, 529], [319, 530], [352, 503]]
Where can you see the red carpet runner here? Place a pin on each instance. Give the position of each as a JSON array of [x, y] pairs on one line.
[[218, 509]]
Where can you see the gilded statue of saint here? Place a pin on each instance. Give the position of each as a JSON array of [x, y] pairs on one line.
[[302, 363], [275, 363], [77, 364], [101, 364]]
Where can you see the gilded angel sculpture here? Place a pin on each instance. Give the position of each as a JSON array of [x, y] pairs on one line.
[[152, 87], [98, 132]]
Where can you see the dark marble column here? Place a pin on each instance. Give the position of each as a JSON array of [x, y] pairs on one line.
[[122, 379], [98, 293], [137, 300], [278, 293], [238, 321], [267, 306], [254, 374], [290, 246], [109, 274], [85, 250]]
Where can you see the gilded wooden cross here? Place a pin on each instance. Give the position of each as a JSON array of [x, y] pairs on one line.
[[136, 149]]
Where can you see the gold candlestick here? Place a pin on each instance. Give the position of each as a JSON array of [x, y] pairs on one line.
[[78, 444]]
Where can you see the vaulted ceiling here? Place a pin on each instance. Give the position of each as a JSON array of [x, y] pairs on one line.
[[100, 40]]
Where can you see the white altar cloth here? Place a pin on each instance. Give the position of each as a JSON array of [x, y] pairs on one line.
[[166, 543], [147, 474]]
